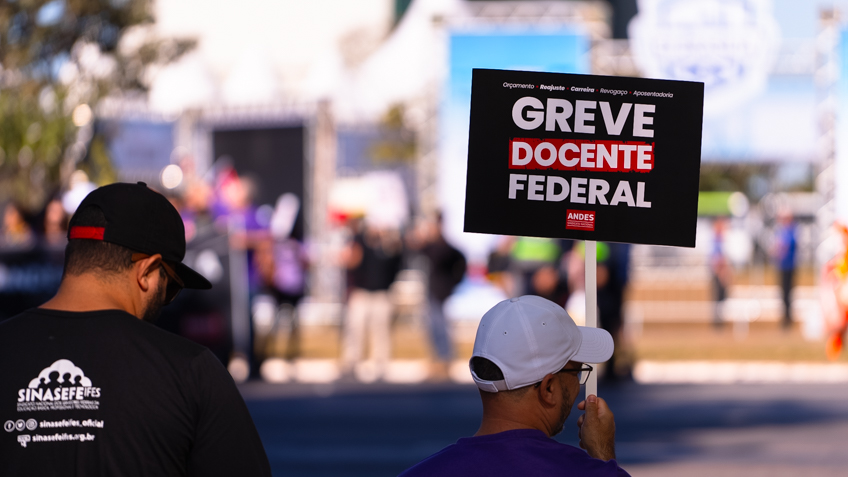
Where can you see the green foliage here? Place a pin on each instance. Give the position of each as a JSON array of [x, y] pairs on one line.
[[32, 142], [98, 165], [714, 203], [397, 142], [55, 56], [754, 179], [730, 177], [38, 31]]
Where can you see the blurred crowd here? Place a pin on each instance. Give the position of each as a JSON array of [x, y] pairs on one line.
[[257, 259], [31, 255]]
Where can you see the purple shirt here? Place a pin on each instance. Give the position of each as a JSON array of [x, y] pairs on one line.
[[510, 453]]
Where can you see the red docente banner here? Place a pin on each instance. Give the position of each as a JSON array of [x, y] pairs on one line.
[[581, 155]]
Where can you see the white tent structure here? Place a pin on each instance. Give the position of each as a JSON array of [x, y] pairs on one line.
[[265, 52], [409, 64], [252, 81], [187, 84]]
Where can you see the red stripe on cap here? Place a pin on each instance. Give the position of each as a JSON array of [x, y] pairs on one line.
[[94, 233]]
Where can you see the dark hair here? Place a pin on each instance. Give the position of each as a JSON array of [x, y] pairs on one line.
[[85, 255], [485, 369]]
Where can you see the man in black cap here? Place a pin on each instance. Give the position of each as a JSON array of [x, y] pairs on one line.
[[89, 387]]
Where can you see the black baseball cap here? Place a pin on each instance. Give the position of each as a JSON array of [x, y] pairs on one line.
[[141, 220]]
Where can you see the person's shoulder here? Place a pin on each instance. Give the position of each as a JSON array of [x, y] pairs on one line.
[[549, 453], [585, 464], [31, 320], [14, 321], [12, 328], [192, 361], [168, 342], [442, 463], [475, 455], [120, 326], [506, 453]]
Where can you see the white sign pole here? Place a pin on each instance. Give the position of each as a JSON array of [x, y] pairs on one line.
[[591, 303]]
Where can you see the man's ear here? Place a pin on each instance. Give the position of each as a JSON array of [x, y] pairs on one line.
[[548, 392], [144, 269]]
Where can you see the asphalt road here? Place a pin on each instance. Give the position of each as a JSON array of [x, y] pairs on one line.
[[662, 430]]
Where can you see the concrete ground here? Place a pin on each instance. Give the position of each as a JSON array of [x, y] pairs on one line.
[[353, 429]]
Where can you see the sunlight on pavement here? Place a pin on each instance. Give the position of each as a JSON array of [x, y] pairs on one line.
[[697, 372], [400, 371]]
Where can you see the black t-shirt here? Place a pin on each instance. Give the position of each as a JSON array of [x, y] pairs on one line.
[[104, 393], [379, 265], [447, 267]]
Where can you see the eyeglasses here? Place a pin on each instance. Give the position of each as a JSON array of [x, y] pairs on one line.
[[582, 374], [175, 283]]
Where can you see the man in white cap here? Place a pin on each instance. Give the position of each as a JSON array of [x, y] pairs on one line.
[[528, 363]]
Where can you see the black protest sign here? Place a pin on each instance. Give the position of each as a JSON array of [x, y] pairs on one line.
[[584, 157]]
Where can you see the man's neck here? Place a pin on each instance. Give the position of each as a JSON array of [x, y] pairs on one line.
[[87, 292], [495, 426], [501, 415]]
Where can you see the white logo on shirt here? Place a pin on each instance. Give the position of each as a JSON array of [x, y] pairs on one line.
[[59, 387]]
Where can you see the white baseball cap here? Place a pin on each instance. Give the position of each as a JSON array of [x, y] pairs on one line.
[[529, 337]]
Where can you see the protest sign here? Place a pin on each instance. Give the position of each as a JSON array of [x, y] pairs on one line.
[[584, 157]]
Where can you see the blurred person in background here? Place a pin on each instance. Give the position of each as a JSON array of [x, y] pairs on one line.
[[373, 258], [613, 272], [54, 239], [834, 295], [55, 224], [195, 211], [235, 214], [576, 270], [528, 364], [31, 257], [536, 262], [281, 267], [721, 271], [499, 265], [233, 208], [445, 270], [784, 251], [17, 232], [150, 403], [199, 316], [281, 263]]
